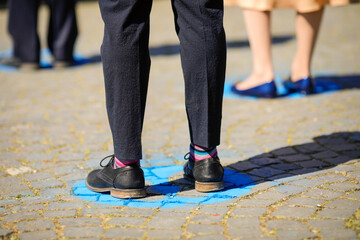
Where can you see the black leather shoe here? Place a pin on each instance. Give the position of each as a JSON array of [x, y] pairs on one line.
[[124, 182], [208, 174]]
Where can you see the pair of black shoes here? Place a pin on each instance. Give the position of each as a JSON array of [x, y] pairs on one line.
[[129, 182]]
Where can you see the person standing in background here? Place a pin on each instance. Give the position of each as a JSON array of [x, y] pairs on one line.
[[257, 15], [22, 26]]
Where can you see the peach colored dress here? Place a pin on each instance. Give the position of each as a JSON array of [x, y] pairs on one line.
[[298, 5]]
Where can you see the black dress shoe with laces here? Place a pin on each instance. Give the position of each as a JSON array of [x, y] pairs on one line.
[[124, 182], [207, 174]]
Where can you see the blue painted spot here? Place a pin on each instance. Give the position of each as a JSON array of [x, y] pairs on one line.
[[46, 60], [322, 86], [171, 194]]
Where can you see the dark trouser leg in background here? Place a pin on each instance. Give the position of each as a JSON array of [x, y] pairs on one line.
[[23, 29], [126, 63], [199, 25], [62, 31]]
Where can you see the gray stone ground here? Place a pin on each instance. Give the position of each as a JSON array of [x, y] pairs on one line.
[[303, 154]]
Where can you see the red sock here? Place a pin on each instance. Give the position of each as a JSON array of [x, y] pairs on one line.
[[118, 163]]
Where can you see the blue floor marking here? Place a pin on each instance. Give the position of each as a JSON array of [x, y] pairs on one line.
[[168, 195], [45, 60], [320, 87]]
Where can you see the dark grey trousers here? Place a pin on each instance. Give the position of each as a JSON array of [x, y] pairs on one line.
[[62, 32], [126, 63]]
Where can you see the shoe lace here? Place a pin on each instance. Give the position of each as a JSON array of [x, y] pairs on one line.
[[187, 156], [112, 156]]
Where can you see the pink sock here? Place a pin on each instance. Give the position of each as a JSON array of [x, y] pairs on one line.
[[120, 164]]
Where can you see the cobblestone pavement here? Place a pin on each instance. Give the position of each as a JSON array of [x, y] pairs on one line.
[[293, 163]]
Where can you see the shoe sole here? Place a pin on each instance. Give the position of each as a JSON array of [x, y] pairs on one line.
[[206, 186], [120, 193], [209, 186]]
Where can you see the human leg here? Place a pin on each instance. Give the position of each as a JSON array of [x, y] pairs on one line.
[[203, 56], [62, 31], [258, 29], [126, 65], [23, 30], [307, 28]]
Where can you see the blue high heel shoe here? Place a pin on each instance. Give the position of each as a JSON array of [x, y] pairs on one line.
[[266, 90], [305, 86]]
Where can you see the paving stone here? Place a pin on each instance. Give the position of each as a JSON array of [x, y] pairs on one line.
[[35, 225], [7, 202], [65, 205], [306, 183], [271, 195], [286, 166], [302, 201], [284, 151], [38, 235], [98, 211], [46, 184], [354, 174], [309, 148], [3, 210], [209, 237], [37, 176], [21, 216], [312, 164], [128, 221], [294, 212], [169, 223], [70, 157], [243, 165], [295, 234], [323, 194], [213, 209], [345, 186], [55, 191], [68, 222], [290, 189], [355, 195], [338, 234], [325, 154], [249, 211], [164, 234], [254, 232], [285, 224], [338, 160], [265, 161], [265, 172], [254, 203], [36, 157], [128, 232], [12, 185], [27, 207], [243, 222], [138, 211], [327, 223], [206, 219], [296, 158], [61, 213], [74, 232], [344, 204], [38, 199], [336, 213], [204, 228], [4, 233]]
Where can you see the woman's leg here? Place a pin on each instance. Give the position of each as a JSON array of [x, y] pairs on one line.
[[258, 29], [307, 28]]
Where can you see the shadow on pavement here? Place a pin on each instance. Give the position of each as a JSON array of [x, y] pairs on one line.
[[275, 167], [325, 152], [173, 49]]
